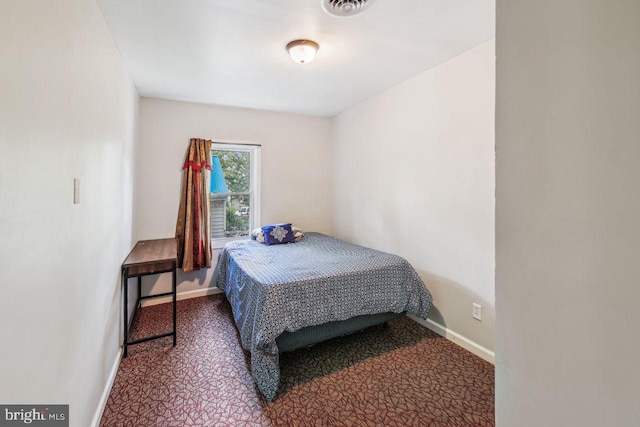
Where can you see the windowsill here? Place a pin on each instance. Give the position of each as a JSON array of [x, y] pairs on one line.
[[217, 244]]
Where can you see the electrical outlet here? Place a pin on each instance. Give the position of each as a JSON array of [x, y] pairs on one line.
[[477, 311]]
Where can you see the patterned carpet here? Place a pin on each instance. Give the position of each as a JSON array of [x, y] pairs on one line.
[[400, 374]]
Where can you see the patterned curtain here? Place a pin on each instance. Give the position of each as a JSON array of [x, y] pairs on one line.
[[193, 229]]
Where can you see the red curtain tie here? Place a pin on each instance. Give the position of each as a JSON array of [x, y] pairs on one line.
[[196, 167]]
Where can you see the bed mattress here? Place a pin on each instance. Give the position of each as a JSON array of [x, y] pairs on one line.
[[320, 279]]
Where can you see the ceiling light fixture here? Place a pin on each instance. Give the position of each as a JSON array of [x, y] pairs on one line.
[[302, 51]]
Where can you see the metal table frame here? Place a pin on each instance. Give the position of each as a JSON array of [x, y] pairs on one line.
[[139, 270]]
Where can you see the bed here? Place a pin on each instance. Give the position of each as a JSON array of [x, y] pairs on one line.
[[295, 294]]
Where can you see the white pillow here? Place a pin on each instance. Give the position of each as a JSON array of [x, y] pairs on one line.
[[258, 235]]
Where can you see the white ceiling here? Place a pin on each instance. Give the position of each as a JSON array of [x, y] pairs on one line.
[[232, 52]]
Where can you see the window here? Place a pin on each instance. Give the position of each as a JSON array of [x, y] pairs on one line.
[[235, 198]]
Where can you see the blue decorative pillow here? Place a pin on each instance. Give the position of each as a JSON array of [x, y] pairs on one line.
[[277, 234]]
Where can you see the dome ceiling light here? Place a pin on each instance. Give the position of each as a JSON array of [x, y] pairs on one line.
[[302, 51]]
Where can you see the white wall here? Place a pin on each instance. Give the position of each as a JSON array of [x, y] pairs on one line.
[[67, 110], [568, 213], [295, 170], [413, 174]]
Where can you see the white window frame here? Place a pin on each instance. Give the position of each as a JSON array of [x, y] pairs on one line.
[[254, 185]]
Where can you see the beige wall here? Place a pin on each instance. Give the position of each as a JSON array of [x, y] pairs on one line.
[[295, 169], [568, 213], [413, 174], [67, 110]]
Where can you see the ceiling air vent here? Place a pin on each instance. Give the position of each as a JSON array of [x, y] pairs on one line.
[[345, 7]]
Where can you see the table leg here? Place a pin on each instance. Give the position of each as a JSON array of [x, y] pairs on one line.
[[125, 310], [139, 293], [175, 331]]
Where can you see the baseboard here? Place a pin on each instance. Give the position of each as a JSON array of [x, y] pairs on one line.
[[182, 295], [456, 338], [452, 336], [102, 403]]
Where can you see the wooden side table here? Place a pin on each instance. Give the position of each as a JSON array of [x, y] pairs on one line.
[[149, 257]]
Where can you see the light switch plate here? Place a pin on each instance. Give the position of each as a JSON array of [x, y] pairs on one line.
[[477, 311], [76, 191]]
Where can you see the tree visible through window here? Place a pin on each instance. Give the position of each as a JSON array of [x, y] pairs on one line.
[[233, 191]]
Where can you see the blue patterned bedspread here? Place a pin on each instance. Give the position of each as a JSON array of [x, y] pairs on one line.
[[319, 279]]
